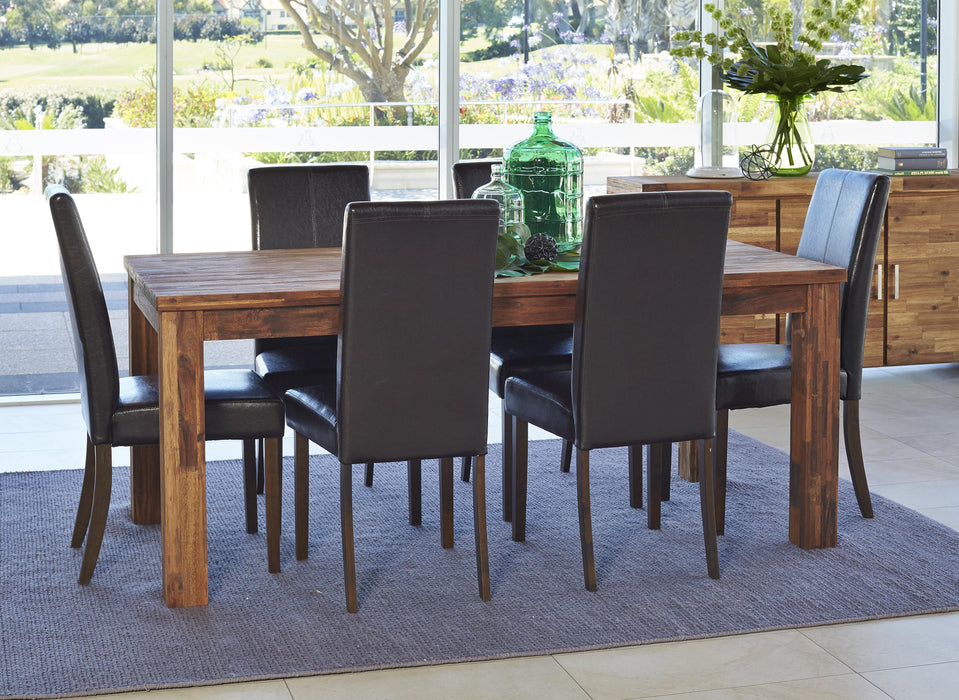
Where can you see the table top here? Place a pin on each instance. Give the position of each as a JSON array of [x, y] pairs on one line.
[[311, 277]]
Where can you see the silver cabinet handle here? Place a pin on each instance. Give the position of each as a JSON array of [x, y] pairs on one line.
[[879, 282], [895, 281]]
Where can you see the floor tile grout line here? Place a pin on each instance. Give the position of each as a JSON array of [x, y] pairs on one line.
[[570, 675]]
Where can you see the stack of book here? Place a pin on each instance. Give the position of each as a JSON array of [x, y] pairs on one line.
[[912, 160]]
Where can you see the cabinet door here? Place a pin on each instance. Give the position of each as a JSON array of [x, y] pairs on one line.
[[922, 279], [874, 349], [752, 221]]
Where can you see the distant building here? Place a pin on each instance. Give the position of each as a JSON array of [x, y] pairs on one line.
[[275, 17], [238, 9]]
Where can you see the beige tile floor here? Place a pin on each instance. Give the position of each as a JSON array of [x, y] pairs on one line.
[[911, 444]]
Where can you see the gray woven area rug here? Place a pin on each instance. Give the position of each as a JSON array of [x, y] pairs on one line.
[[418, 602]]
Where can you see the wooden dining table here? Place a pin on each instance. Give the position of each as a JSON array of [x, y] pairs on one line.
[[178, 301]]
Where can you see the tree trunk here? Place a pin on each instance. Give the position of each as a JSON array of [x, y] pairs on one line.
[[651, 27]]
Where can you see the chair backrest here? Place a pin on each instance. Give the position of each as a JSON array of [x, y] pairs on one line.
[[843, 224], [413, 365], [470, 175], [302, 206], [646, 331], [89, 320]]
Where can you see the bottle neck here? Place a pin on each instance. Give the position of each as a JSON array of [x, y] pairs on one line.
[[542, 126]]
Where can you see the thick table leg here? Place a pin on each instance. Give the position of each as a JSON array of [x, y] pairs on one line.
[[144, 459], [183, 460], [814, 443]]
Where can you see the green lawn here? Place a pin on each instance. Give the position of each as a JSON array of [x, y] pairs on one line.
[[114, 66]]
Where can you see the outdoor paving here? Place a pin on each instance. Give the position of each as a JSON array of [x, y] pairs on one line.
[[36, 344]]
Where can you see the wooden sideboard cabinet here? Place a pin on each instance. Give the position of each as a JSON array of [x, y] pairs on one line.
[[914, 312]]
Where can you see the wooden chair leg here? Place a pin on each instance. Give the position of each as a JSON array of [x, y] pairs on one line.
[[707, 505], [465, 469], [857, 469], [368, 478], [301, 494], [346, 536], [585, 519], [686, 460], [654, 475], [720, 448], [508, 450], [635, 477], [414, 481], [272, 459], [446, 502], [260, 469], [519, 478], [86, 497], [102, 484], [249, 485], [667, 472], [479, 528], [567, 458]]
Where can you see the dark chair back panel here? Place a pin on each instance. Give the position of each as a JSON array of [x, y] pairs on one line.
[[302, 206], [470, 175], [89, 320], [842, 227], [646, 334], [414, 349]]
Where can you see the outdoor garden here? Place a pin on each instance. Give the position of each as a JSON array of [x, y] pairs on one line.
[[82, 70]]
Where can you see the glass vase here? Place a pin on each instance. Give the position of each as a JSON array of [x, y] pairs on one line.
[[549, 173], [790, 137], [510, 201]]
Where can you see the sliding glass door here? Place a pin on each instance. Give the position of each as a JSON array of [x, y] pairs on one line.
[[65, 72], [152, 113]]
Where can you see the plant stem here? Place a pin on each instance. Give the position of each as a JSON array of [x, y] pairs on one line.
[[788, 144]]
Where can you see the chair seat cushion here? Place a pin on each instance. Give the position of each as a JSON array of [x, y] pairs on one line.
[[543, 399], [518, 350], [311, 412], [238, 406], [757, 375], [297, 365]]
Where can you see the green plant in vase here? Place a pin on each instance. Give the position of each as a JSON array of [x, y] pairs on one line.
[[787, 69]]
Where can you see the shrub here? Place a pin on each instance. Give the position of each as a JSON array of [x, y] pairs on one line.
[[219, 27], [13, 174], [95, 176], [193, 107], [94, 107]]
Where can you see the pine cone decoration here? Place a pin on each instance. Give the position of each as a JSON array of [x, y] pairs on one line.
[[542, 246]]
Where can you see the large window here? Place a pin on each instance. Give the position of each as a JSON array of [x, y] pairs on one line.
[[283, 81]]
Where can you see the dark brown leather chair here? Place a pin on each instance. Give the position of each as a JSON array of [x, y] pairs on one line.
[[126, 411], [515, 351], [645, 341], [426, 396], [299, 206], [842, 227]]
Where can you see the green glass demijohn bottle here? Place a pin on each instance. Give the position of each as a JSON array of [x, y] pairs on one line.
[[549, 173], [510, 201]]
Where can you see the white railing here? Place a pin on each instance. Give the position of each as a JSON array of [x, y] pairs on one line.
[[586, 133]]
